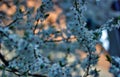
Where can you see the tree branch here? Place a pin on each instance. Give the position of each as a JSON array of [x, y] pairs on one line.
[[3, 60]]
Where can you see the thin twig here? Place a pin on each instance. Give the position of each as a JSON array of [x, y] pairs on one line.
[[11, 23], [89, 64], [35, 26]]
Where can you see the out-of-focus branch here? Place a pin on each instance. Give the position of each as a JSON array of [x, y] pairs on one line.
[[59, 40]]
